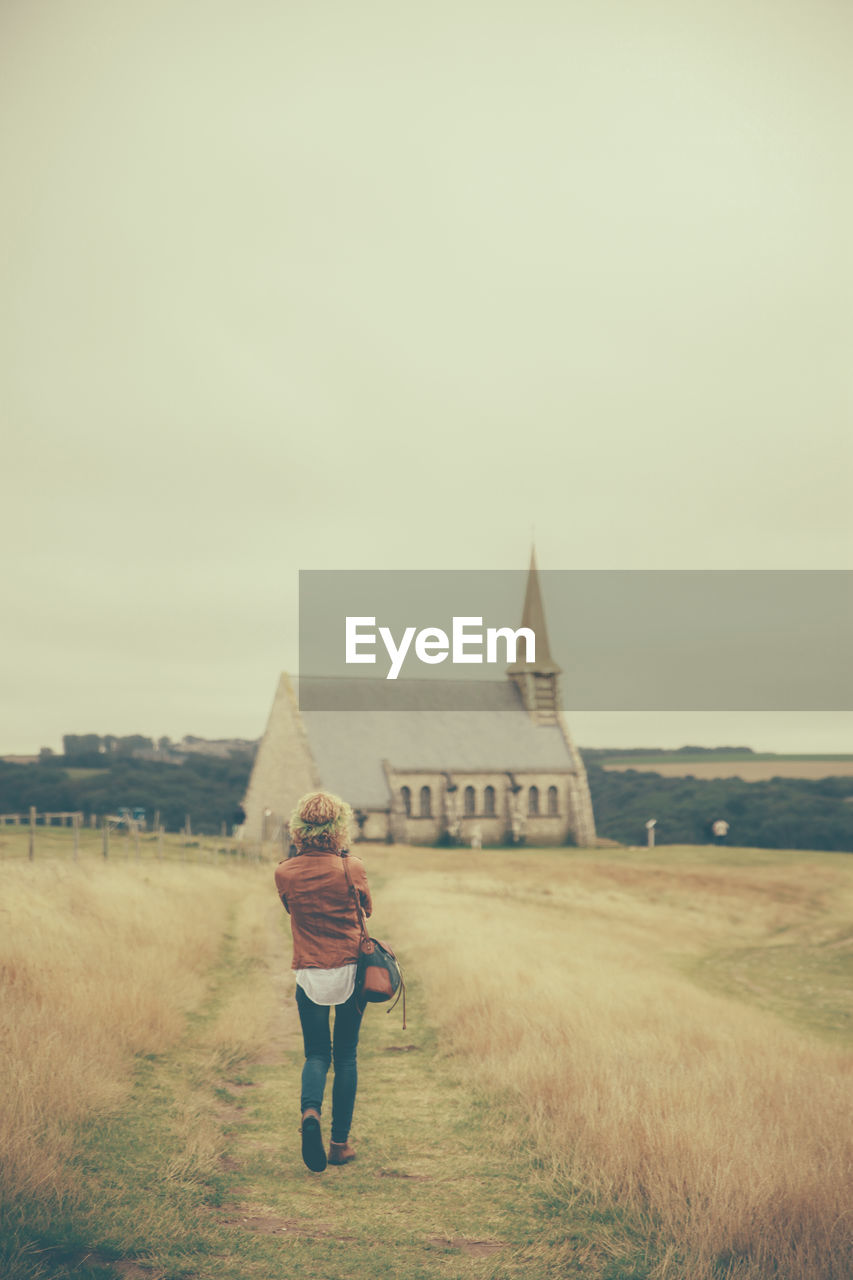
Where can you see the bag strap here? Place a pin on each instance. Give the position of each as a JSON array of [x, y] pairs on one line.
[[364, 934]]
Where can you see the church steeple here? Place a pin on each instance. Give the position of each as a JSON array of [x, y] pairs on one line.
[[533, 616], [538, 682]]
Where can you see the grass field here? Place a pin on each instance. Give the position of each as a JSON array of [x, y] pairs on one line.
[[749, 767], [618, 1065]]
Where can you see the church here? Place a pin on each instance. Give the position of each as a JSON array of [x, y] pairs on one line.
[[506, 772]]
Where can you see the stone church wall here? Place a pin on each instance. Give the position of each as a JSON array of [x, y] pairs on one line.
[[284, 769], [452, 810]]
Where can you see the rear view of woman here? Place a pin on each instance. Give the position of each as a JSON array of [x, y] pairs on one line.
[[313, 887]]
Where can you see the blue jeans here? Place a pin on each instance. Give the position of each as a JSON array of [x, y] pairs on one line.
[[319, 1052]]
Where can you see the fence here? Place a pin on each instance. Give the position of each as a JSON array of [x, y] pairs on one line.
[[26, 834]]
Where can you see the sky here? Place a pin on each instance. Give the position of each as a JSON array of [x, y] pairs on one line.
[[393, 286]]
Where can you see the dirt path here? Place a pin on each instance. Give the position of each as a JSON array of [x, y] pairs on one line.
[[421, 1200], [200, 1177], [284, 1036]]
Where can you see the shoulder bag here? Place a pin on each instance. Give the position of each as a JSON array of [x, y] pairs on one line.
[[378, 976]]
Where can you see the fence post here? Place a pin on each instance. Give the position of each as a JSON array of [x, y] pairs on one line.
[[159, 842], [32, 832], [76, 822], [136, 839], [106, 830]]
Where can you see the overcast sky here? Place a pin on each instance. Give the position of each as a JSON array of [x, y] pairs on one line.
[[385, 285]]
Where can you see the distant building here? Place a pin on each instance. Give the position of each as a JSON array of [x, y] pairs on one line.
[[429, 776]]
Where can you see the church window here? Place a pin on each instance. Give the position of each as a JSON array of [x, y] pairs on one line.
[[470, 802], [533, 802], [553, 808], [489, 802], [426, 802], [406, 797]]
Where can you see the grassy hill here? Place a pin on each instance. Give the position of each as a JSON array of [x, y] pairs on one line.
[[642, 756]]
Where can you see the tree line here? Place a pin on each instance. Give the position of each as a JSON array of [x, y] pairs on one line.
[[782, 813], [206, 787]]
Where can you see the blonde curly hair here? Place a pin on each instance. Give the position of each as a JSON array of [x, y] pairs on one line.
[[321, 821]]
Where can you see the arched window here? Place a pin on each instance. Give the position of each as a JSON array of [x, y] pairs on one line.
[[470, 802], [406, 797], [533, 802], [553, 808], [489, 802], [426, 802]]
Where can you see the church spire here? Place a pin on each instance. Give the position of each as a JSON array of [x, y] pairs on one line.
[[533, 616]]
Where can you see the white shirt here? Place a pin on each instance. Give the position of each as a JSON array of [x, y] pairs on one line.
[[328, 986]]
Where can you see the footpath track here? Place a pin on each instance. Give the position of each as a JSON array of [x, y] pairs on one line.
[[200, 1177]]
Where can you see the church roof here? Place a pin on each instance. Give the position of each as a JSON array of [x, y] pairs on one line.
[[349, 746]]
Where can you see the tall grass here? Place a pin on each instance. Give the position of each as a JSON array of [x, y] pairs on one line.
[[556, 979], [560, 984], [98, 962]]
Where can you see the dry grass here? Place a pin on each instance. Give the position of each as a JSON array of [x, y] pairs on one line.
[[560, 983], [557, 977], [97, 963], [240, 1028]]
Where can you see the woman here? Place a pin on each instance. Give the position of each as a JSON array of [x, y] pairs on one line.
[[314, 889]]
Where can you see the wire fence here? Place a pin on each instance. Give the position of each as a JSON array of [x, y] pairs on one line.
[[37, 835]]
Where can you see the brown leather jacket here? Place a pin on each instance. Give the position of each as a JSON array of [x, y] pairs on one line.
[[323, 919]]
